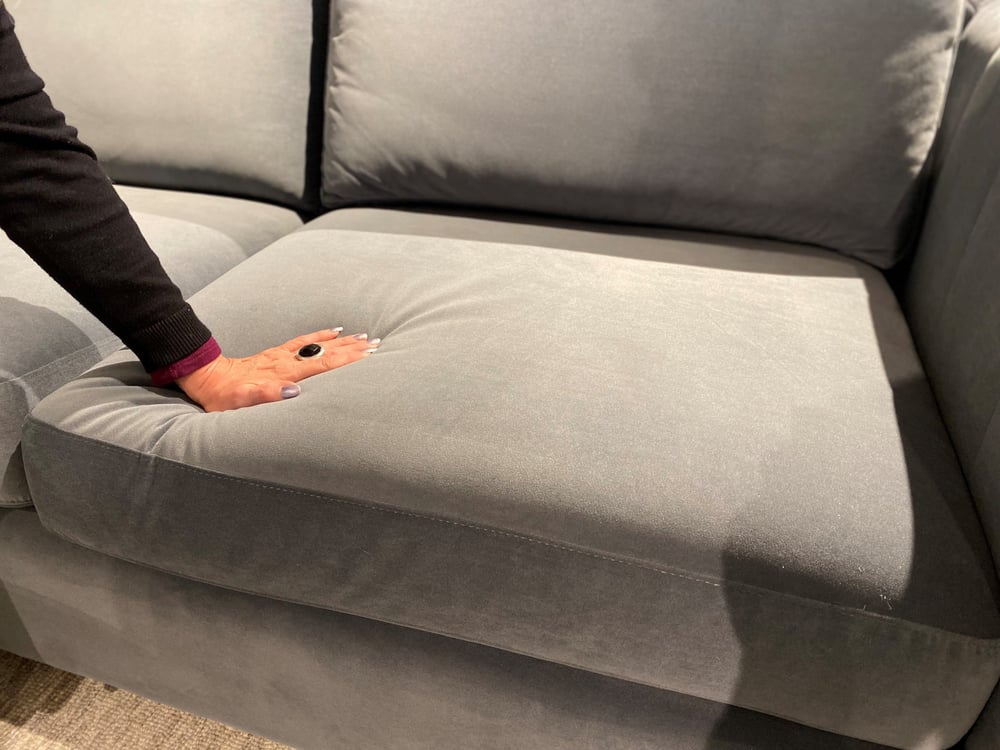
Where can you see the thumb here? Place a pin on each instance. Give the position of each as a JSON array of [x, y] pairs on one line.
[[279, 390], [263, 393]]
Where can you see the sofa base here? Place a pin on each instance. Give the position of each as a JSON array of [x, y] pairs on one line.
[[313, 678]]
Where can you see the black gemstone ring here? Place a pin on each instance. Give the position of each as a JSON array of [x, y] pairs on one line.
[[309, 351]]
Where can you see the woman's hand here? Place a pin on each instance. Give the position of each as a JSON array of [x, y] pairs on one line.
[[273, 374]]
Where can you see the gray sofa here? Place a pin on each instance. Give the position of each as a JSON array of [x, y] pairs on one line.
[[684, 431]]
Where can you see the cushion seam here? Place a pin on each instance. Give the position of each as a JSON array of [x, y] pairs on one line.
[[95, 345], [989, 645], [19, 504]]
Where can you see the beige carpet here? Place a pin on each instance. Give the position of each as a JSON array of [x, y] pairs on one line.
[[42, 708]]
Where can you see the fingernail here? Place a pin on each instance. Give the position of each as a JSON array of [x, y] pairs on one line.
[[370, 351], [338, 329], [361, 336], [375, 342], [290, 391]]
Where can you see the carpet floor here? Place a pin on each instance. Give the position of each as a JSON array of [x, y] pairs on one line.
[[42, 708]]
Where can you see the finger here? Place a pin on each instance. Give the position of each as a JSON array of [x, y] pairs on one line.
[[347, 355], [334, 358], [352, 340], [317, 337]]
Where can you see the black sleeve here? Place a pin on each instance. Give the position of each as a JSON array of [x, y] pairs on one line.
[[59, 206]]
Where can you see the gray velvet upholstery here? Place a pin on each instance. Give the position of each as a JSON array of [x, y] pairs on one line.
[[214, 97], [726, 478], [952, 294], [804, 121], [49, 339], [250, 224], [979, 44], [953, 299], [602, 486], [318, 679]]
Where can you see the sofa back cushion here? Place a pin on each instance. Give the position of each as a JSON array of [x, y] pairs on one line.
[[204, 96], [953, 293], [806, 121]]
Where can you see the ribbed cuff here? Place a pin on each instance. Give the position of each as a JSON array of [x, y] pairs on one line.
[[204, 354], [169, 340]]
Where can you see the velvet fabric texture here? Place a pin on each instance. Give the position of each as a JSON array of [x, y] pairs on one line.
[[252, 225], [808, 122], [48, 339], [721, 473], [210, 97], [318, 679]]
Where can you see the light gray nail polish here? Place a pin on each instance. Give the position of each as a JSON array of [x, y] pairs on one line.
[[375, 342], [370, 351], [361, 336], [290, 391], [338, 329]]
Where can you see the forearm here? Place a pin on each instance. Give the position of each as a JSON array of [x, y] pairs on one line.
[[59, 206]]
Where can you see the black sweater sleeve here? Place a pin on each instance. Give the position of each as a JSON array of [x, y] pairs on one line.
[[58, 205]]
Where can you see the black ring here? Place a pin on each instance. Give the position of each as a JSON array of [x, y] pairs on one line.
[[310, 351]]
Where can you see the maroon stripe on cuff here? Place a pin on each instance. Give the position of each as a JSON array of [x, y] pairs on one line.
[[200, 357]]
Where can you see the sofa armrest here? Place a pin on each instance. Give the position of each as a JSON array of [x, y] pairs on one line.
[[979, 46], [951, 298]]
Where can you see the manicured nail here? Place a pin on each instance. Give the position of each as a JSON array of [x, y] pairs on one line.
[[338, 329], [290, 391], [375, 342], [370, 351], [361, 336]]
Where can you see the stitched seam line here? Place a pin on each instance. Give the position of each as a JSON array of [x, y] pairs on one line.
[[399, 623], [980, 644], [96, 346], [11, 506]]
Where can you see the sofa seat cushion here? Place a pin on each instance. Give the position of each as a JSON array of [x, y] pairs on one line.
[[720, 472], [250, 224], [197, 237]]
